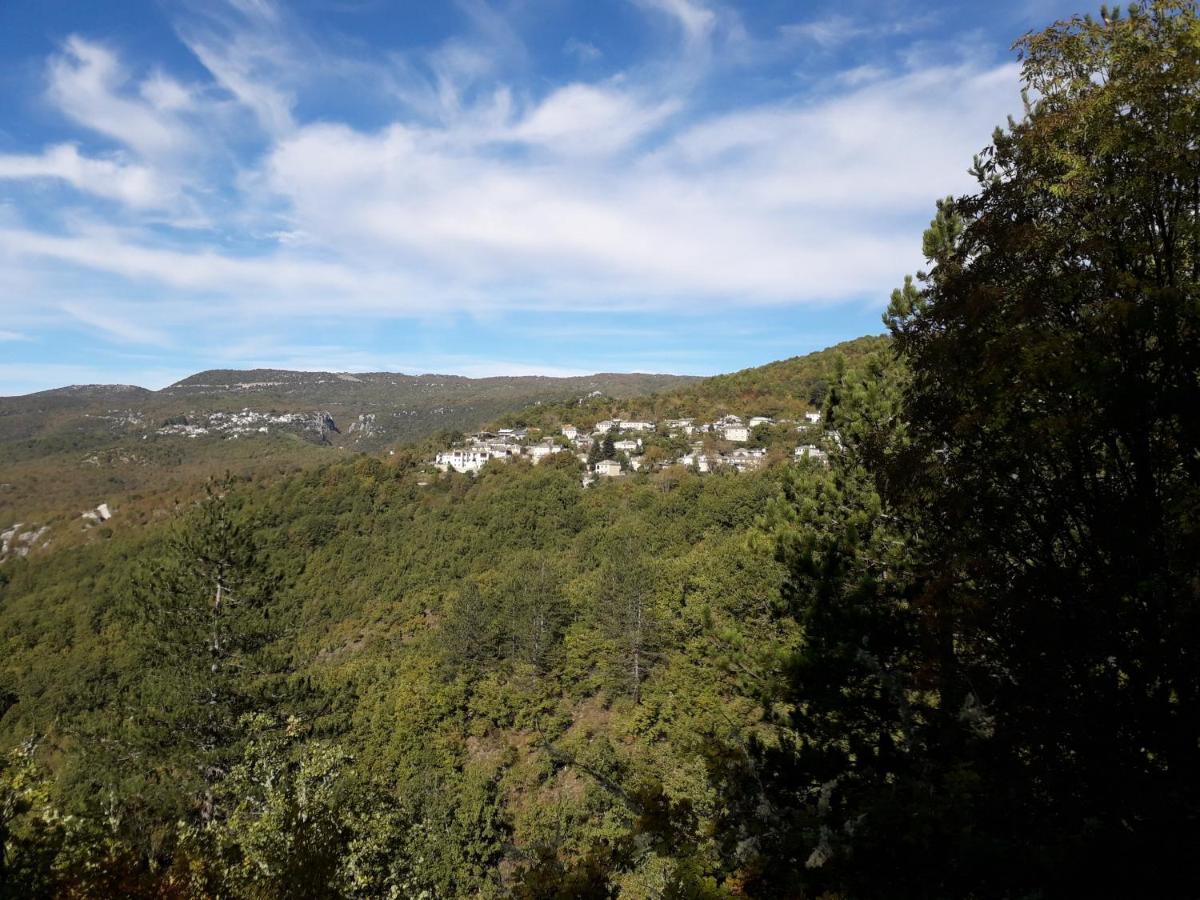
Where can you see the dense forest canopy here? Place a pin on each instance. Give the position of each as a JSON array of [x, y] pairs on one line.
[[956, 661]]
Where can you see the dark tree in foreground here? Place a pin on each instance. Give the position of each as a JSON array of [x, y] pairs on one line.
[[1047, 478]]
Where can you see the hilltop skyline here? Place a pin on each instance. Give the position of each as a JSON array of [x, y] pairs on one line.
[[484, 189]]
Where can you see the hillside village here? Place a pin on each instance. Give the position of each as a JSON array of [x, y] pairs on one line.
[[614, 447]]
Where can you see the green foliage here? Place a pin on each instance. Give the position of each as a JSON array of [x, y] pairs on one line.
[[198, 625], [457, 655], [290, 822], [999, 619]]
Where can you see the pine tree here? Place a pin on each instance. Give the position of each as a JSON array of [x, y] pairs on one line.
[[539, 615], [201, 626], [628, 614]]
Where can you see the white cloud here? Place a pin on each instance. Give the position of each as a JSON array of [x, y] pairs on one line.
[[694, 19], [166, 94], [223, 279], [135, 185], [89, 85], [6, 335], [780, 203], [243, 65], [484, 193], [113, 326], [836, 30], [584, 51], [861, 75], [582, 119], [27, 377]]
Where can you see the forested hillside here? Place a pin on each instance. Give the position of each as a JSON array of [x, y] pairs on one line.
[[64, 452], [502, 682], [786, 388], [957, 661]]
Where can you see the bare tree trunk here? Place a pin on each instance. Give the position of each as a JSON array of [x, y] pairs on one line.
[[637, 652]]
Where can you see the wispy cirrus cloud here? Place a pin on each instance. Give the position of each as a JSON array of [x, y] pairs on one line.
[[88, 84], [135, 185], [584, 51], [453, 177], [97, 318]]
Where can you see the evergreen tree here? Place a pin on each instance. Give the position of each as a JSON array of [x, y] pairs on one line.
[[201, 626], [539, 614], [627, 611]]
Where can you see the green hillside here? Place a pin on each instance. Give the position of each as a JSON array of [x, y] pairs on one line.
[[514, 665], [454, 639], [787, 388], [65, 451]]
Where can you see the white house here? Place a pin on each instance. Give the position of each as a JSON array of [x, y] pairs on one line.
[[626, 425], [627, 446], [608, 468], [755, 421], [538, 452], [811, 451], [697, 459], [812, 418], [497, 447], [738, 433], [462, 460], [747, 460], [605, 426], [570, 432], [474, 458]]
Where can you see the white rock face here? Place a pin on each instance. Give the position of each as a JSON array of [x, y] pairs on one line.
[[231, 425], [364, 426], [7, 537], [100, 514], [15, 542]]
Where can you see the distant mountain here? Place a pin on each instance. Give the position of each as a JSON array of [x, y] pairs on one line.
[[399, 407], [86, 444], [65, 451]]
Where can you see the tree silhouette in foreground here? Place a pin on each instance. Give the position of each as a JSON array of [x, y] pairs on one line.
[[1035, 657]]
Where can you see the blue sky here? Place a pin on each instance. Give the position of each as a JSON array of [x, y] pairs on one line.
[[507, 187]]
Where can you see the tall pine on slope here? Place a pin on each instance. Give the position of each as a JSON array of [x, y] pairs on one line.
[[201, 625]]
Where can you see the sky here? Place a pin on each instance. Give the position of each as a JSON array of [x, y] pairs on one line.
[[480, 188]]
